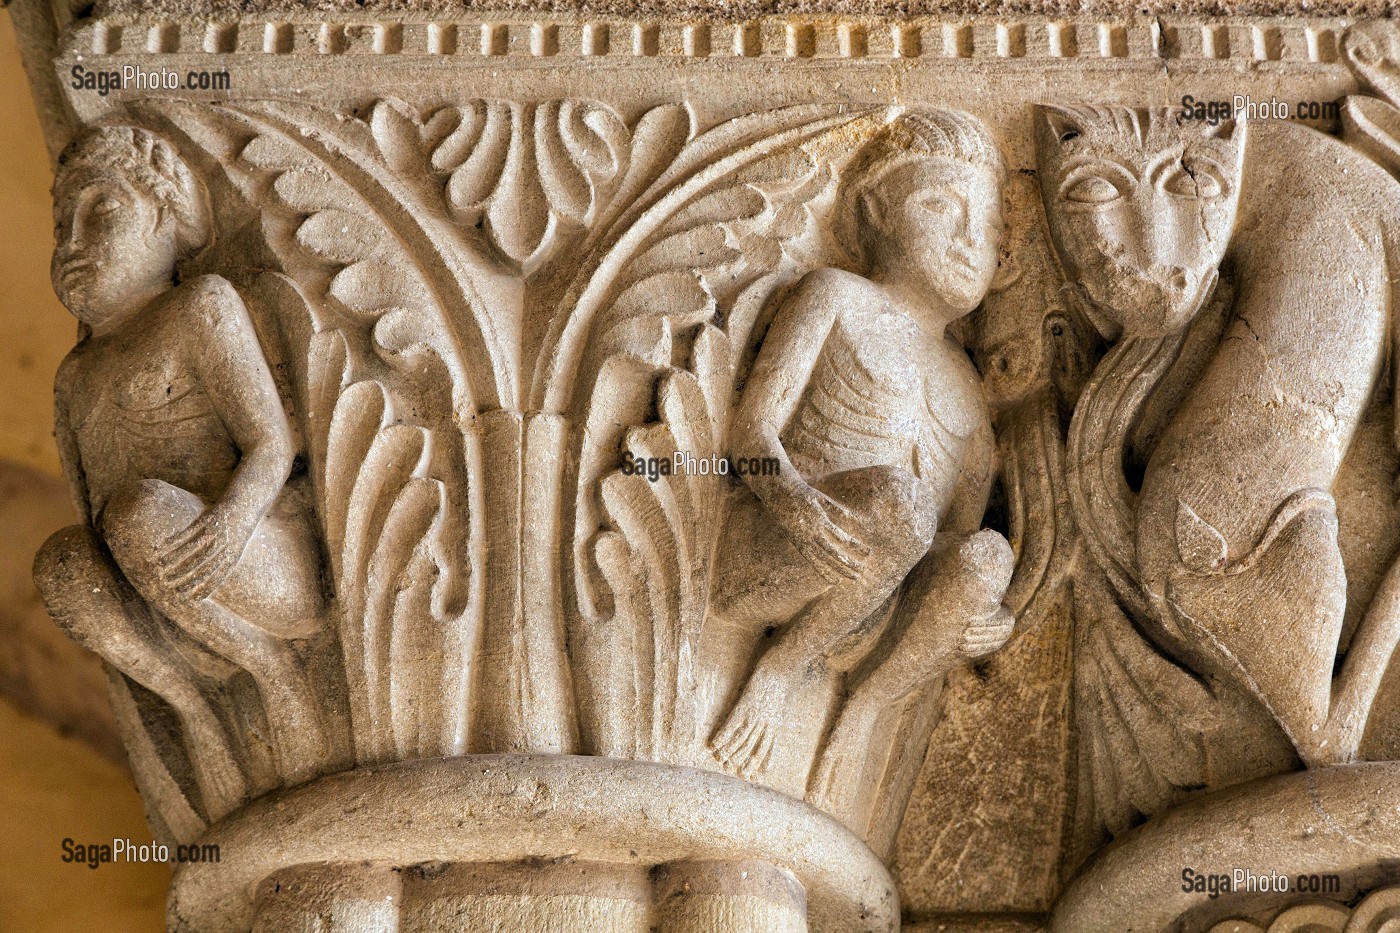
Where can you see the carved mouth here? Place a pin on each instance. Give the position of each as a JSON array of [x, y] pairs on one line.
[[73, 267], [1146, 304], [965, 261]]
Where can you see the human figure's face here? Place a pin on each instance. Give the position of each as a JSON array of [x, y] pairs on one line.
[[939, 231], [114, 252]]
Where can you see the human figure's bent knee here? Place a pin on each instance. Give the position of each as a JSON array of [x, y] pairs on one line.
[[276, 580]]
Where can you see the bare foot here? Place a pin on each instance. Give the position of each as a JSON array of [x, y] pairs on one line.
[[745, 743]]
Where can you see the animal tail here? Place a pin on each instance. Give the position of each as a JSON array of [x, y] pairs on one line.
[[1104, 505]]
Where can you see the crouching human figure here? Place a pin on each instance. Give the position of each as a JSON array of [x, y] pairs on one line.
[[885, 442], [178, 450]]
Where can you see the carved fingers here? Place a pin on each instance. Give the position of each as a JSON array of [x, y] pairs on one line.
[[988, 633], [828, 534], [193, 562]]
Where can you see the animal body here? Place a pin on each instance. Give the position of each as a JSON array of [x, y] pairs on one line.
[[1229, 548]]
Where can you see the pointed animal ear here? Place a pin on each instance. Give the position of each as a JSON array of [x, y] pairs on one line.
[[1063, 124], [1227, 131]]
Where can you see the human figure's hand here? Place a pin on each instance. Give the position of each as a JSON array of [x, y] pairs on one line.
[[195, 561], [987, 633], [823, 530]]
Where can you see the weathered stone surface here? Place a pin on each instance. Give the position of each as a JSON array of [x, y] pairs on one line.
[[1057, 524]]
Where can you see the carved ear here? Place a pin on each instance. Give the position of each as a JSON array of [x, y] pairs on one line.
[[1063, 123], [164, 218], [873, 207]]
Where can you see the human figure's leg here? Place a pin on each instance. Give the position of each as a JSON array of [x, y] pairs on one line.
[[135, 523], [954, 599], [760, 578], [277, 580], [97, 608], [834, 627], [1275, 616]]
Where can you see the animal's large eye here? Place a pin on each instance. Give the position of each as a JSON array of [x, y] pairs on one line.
[[1195, 178], [1093, 189]]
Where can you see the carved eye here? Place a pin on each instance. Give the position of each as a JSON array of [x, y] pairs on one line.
[[1195, 179], [1093, 189], [938, 204], [105, 205]]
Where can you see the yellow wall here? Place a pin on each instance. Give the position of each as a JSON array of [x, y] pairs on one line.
[[35, 331], [50, 787]]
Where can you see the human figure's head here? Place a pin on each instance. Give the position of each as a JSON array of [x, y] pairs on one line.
[[127, 210], [921, 203]]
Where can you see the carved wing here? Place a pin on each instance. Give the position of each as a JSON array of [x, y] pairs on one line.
[[664, 313]]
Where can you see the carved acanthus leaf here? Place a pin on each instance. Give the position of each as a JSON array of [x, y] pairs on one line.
[[521, 170]]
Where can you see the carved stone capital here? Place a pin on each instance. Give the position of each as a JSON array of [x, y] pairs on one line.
[[597, 470]]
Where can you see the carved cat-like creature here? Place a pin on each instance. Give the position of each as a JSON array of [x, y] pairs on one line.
[[1228, 553]]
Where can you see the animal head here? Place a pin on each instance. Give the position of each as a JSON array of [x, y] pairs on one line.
[[1025, 336], [1372, 49], [1141, 205]]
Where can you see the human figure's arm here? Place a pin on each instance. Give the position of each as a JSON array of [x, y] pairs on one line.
[[223, 350], [819, 527], [968, 503], [780, 373], [965, 558], [69, 454]]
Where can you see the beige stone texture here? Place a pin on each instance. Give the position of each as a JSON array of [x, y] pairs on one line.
[[33, 326], [759, 467], [51, 787]]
